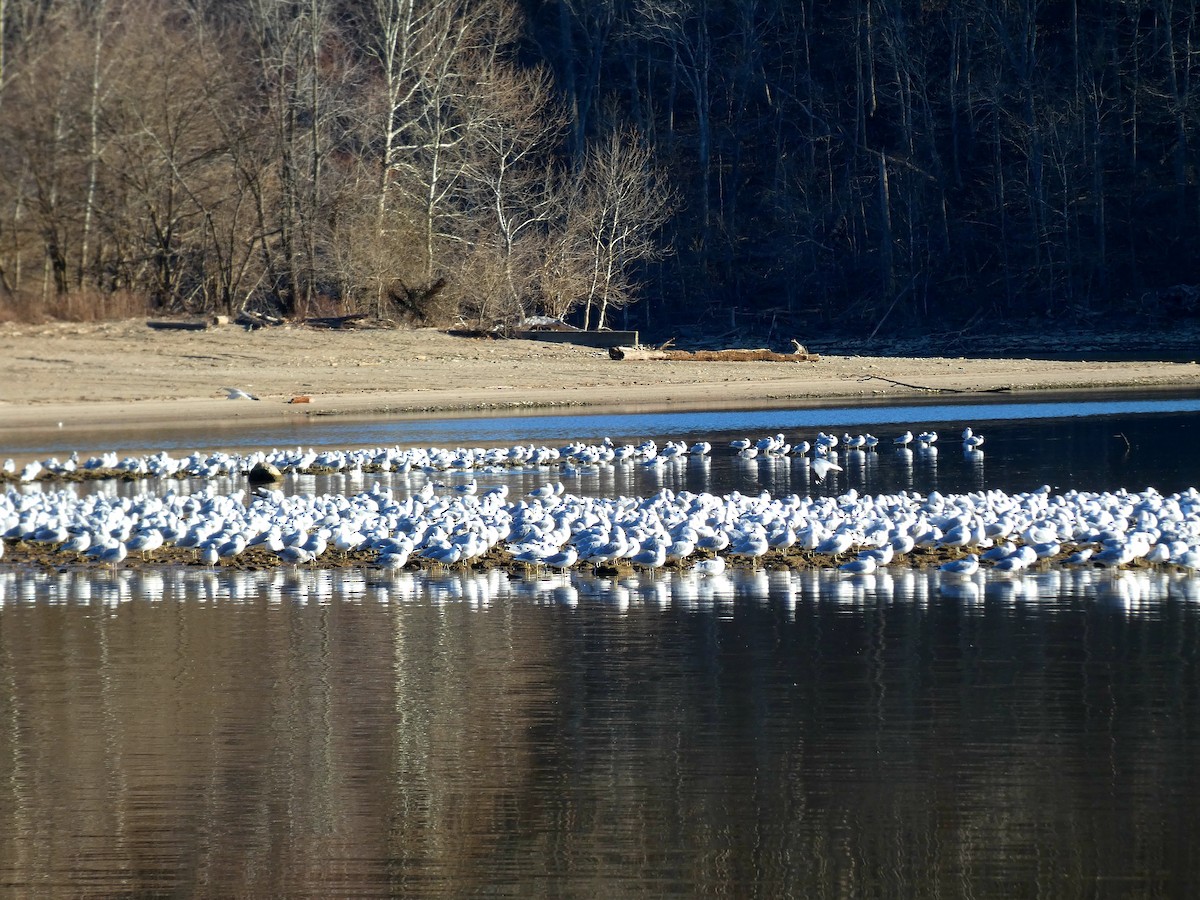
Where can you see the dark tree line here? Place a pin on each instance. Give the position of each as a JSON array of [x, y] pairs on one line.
[[885, 162], [873, 163]]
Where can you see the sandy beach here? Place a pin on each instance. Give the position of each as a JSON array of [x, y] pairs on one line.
[[126, 375]]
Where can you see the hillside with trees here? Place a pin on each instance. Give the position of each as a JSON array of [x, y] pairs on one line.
[[872, 165]]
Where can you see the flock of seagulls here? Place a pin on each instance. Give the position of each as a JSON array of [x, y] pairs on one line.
[[552, 529], [822, 453], [467, 526]]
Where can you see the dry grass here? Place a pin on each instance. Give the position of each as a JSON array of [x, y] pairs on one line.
[[80, 306]]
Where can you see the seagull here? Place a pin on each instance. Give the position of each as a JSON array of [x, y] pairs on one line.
[[822, 466], [546, 491], [651, 557], [393, 559], [1014, 563], [113, 554], [864, 565], [237, 394], [710, 567], [882, 555], [968, 565], [1079, 557], [294, 555], [77, 543], [147, 541], [563, 559]]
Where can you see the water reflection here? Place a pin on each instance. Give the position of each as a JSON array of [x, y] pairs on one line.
[[350, 732], [1137, 590]]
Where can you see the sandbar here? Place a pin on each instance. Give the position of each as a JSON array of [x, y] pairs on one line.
[[124, 374]]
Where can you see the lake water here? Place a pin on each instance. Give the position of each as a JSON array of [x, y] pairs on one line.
[[1029, 447], [350, 733]]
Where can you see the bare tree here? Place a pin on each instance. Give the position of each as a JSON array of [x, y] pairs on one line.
[[422, 52], [45, 145], [176, 147], [622, 202], [518, 127], [158, 165], [683, 28], [300, 84]]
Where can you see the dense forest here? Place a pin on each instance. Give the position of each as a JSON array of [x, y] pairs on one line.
[[870, 164]]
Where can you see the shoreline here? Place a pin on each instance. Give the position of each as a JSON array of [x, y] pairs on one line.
[[147, 427], [67, 379], [33, 556]]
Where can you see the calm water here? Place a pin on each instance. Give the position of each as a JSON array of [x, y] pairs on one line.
[[1085, 452], [324, 734], [768, 734]]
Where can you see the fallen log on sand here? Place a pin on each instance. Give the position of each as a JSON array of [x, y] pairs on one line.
[[643, 353], [203, 324]]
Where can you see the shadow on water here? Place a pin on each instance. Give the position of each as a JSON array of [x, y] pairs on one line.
[[347, 733]]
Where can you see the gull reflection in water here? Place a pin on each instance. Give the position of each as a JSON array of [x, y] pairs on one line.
[[114, 590], [853, 591], [477, 590], [149, 584], [967, 589], [1133, 592], [752, 585], [699, 473], [782, 589], [775, 474], [855, 464], [564, 594], [908, 586], [1185, 588], [904, 466], [885, 586], [927, 466], [974, 461], [1011, 590]]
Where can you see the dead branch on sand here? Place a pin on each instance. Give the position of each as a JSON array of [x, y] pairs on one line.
[[643, 353]]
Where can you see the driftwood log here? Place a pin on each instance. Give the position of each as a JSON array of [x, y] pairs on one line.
[[252, 320], [640, 353], [335, 321], [187, 324]]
